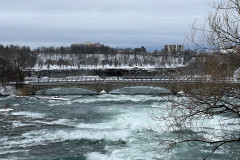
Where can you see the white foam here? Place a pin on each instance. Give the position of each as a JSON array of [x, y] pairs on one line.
[[215, 126], [2, 139], [54, 103], [156, 105], [12, 151], [16, 124], [59, 122], [119, 98], [6, 110], [123, 127], [97, 156], [135, 151], [29, 114], [44, 136]]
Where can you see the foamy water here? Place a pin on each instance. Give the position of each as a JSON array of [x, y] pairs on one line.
[[97, 127]]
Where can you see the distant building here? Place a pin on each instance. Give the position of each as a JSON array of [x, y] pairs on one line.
[[88, 48], [174, 48], [140, 50], [87, 44]]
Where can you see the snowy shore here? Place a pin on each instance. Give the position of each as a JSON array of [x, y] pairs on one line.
[[7, 90]]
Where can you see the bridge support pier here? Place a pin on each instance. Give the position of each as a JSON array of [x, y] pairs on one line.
[[24, 91]]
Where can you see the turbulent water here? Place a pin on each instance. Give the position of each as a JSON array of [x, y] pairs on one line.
[[86, 127]]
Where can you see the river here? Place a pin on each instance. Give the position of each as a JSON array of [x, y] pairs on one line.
[[87, 127]]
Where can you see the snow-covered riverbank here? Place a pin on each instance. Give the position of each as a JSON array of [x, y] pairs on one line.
[[7, 90]]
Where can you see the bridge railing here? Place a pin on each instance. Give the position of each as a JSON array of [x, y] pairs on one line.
[[116, 80]]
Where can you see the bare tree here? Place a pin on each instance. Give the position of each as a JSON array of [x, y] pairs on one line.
[[221, 30], [6, 71], [14, 60], [208, 96], [207, 112]]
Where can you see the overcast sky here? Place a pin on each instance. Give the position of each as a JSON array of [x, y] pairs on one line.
[[117, 23]]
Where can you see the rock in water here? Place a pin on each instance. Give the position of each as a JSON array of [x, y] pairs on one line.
[[103, 92]]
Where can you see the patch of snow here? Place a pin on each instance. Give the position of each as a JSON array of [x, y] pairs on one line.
[[90, 67], [103, 92], [48, 61], [7, 90], [236, 73], [227, 51], [181, 92]]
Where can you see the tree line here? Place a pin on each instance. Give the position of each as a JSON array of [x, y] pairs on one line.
[[105, 50], [109, 60], [13, 60]]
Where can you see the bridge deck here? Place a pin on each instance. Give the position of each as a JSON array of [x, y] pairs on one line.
[[98, 84]]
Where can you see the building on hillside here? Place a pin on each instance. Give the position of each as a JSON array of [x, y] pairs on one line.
[[87, 44], [140, 50], [175, 48], [88, 48]]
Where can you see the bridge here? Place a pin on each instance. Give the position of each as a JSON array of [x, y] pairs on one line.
[[31, 86]]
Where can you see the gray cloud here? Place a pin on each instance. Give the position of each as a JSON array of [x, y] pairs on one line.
[[123, 23]]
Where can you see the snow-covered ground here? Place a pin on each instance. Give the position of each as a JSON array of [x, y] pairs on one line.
[[236, 73], [103, 61], [7, 90]]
